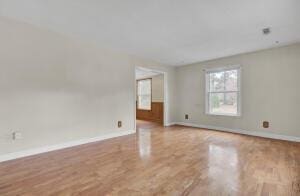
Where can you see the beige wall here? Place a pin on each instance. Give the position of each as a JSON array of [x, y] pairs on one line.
[[270, 91], [158, 88], [55, 90]]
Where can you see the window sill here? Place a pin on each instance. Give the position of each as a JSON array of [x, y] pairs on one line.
[[225, 115]]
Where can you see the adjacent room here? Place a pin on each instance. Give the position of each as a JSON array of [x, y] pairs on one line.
[[136, 97], [149, 98]]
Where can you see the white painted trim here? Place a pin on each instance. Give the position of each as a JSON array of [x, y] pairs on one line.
[[169, 124], [25, 153], [221, 68], [239, 93], [244, 132]]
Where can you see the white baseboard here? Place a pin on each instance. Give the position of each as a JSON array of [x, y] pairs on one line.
[[170, 124], [25, 153], [244, 132]]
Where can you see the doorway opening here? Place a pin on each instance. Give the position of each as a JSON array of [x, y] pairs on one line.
[[150, 98]]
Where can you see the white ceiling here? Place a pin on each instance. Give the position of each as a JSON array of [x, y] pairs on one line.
[[173, 32]]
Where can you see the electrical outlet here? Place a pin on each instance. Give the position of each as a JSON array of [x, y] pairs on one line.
[[266, 124], [17, 135], [119, 124], [186, 116]]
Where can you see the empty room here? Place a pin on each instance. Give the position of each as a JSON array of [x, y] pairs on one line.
[[137, 97]]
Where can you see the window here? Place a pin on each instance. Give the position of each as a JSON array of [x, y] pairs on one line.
[[223, 91], [144, 94]]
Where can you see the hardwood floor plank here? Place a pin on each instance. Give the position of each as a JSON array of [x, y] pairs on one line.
[[160, 160]]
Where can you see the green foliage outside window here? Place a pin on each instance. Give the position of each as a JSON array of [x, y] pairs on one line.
[[215, 101]]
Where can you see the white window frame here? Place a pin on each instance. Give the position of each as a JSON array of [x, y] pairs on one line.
[[207, 88], [137, 86]]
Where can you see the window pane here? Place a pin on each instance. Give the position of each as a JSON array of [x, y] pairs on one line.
[[216, 81], [231, 81], [144, 102], [223, 103], [144, 94], [144, 87]]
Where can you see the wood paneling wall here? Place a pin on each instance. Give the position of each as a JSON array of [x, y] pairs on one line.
[[156, 114]]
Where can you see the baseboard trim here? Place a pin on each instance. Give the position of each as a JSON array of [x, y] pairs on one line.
[[30, 152], [169, 124], [244, 132]]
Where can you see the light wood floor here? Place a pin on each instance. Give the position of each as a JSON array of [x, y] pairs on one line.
[[160, 161]]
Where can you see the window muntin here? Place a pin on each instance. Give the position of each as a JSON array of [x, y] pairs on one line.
[[223, 91], [144, 94]]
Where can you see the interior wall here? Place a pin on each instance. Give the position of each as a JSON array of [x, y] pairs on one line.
[[270, 91], [158, 88], [55, 89]]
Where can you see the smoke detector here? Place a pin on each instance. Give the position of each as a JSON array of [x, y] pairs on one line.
[[266, 31]]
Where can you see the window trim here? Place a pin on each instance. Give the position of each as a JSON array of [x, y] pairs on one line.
[[137, 88], [239, 94]]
